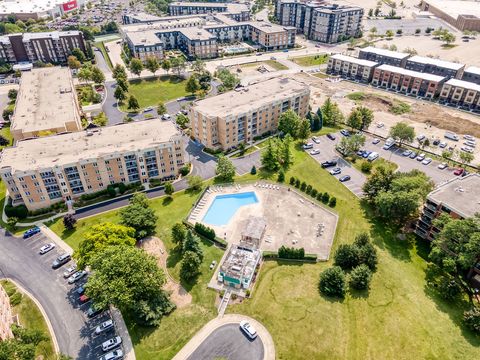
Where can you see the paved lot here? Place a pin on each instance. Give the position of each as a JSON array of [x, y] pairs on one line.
[[230, 343], [20, 261], [408, 26]]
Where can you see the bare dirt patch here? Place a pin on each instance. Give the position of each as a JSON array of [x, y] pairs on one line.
[[154, 246]]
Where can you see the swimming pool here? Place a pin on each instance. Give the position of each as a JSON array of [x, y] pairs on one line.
[[225, 206]]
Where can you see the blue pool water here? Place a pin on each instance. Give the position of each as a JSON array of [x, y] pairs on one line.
[[225, 206]]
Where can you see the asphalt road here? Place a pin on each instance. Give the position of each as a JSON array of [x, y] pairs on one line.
[[228, 342], [20, 261]]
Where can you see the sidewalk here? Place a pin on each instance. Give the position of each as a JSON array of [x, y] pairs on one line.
[[268, 345], [56, 239], [123, 333]]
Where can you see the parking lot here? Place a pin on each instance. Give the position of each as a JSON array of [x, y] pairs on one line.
[[92, 348]]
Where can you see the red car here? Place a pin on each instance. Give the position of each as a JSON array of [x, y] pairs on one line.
[[84, 298], [458, 172]]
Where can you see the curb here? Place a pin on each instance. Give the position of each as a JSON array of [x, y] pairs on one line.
[[44, 314]]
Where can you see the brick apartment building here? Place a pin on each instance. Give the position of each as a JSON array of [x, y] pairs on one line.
[[47, 170], [461, 93], [383, 56], [433, 66], [351, 68], [46, 104], [48, 47], [237, 116], [407, 81]]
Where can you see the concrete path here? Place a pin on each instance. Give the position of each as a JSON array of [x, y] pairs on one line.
[[210, 327]]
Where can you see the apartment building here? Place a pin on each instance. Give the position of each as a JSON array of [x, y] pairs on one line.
[[407, 81], [351, 67], [46, 104], [237, 11], [47, 170], [237, 116], [438, 67], [383, 56], [6, 318], [471, 74], [145, 44], [138, 18], [286, 12], [48, 47], [461, 93]]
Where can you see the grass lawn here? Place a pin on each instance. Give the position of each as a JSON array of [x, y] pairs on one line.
[[276, 65], [380, 161], [151, 91], [5, 132], [310, 60], [30, 317]]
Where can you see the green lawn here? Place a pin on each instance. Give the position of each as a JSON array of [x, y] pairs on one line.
[[310, 60], [5, 132], [380, 161], [151, 91], [276, 65], [30, 317]]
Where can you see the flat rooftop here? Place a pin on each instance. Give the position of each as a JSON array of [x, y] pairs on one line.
[[267, 27], [399, 70], [460, 195], [473, 70], [456, 8], [436, 62], [354, 60], [385, 52], [144, 38], [463, 84], [240, 262], [194, 33], [46, 100], [142, 16], [69, 148], [164, 23], [50, 34], [28, 6], [250, 97]]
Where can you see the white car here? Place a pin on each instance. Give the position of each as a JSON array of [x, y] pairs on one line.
[[76, 276], [70, 270], [469, 137], [442, 166], [46, 248], [315, 152], [443, 144], [427, 161], [111, 343], [470, 143], [316, 140], [421, 157], [248, 329], [213, 264], [420, 137], [104, 326], [307, 146], [375, 141], [114, 355], [467, 149], [380, 125], [166, 117]]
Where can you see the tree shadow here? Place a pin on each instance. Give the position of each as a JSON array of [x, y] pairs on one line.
[[167, 200], [174, 257], [265, 174], [359, 294]]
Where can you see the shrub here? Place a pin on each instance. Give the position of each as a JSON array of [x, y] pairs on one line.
[[69, 221], [291, 253], [325, 198], [346, 256], [281, 176], [203, 230], [333, 202], [19, 211], [247, 293], [360, 277], [15, 299], [368, 255], [184, 170], [234, 296], [122, 188], [332, 282], [111, 191], [303, 186], [366, 166], [472, 319], [292, 180], [254, 170], [319, 196], [309, 189], [297, 183], [314, 193], [449, 289]]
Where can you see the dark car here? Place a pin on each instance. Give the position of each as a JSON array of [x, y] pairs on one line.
[[61, 260], [413, 155], [80, 290], [436, 142], [329, 163], [31, 232], [331, 136], [345, 178], [93, 311]]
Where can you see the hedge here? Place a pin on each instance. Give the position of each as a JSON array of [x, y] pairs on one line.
[[274, 255], [201, 229], [20, 211]]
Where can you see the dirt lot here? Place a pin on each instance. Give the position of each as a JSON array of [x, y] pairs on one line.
[[154, 246]]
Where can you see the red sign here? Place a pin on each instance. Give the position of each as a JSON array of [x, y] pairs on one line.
[[69, 6]]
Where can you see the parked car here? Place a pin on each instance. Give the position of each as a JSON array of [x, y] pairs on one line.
[[166, 117], [248, 329], [451, 136], [328, 163], [46, 248], [388, 144], [469, 137], [331, 136], [442, 166], [315, 152], [316, 140], [360, 153], [467, 149], [93, 310], [459, 172], [443, 144], [413, 155], [420, 137], [470, 143], [373, 156], [104, 326], [31, 232], [61, 260], [150, 108], [366, 154], [421, 157], [335, 171], [76, 276], [113, 355], [345, 132], [307, 146], [436, 142], [375, 141], [407, 153], [380, 125], [70, 270], [345, 178], [213, 264], [427, 161], [111, 343]]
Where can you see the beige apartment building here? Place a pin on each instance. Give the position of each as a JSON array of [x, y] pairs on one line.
[[46, 104], [351, 67], [462, 93], [51, 169], [240, 115]]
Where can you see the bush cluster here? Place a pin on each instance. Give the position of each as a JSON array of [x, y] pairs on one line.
[[472, 319], [20, 211], [314, 193], [291, 253], [203, 230]]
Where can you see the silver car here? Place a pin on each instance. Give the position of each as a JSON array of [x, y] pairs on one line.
[[76, 276], [111, 343]]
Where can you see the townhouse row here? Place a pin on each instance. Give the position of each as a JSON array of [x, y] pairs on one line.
[[448, 82]]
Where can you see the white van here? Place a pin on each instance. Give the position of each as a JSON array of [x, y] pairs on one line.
[[372, 156], [389, 143], [451, 136]]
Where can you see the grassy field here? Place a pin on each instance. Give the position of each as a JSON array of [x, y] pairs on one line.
[[5, 132], [310, 60], [151, 91], [30, 317], [272, 63]]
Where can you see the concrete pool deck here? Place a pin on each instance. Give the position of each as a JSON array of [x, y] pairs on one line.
[[292, 219]]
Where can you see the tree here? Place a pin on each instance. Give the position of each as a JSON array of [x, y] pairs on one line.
[[317, 121], [303, 131], [12, 94], [269, 156], [253, 170], [194, 182], [119, 94], [169, 189], [192, 85], [133, 103], [100, 119], [350, 145], [465, 157], [84, 74], [101, 236], [379, 181], [360, 277], [119, 72], [123, 84], [447, 37], [166, 65], [332, 282], [229, 80], [284, 153], [12, 223], [130, 279], [182, 120], [69, 221], [289, 123], [199, 66], [152, 64], [370, 14], [73, 62], [366, 116], [7, 113], [346, 256], [190, 266], [79, 54], [136, 66], [389, 33], [178, 64], [179, 233], [161, 108], [472, 319], [192, 243], [447, 155], [402, 132], [354, 120], [225, 170], [139, 216]]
